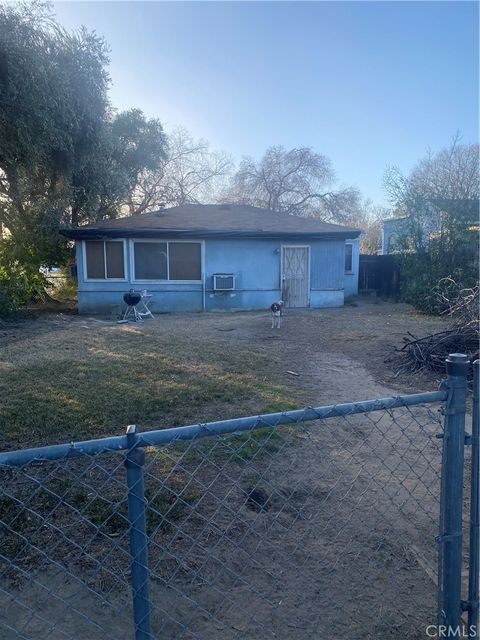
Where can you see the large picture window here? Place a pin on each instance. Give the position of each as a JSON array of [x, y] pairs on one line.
[[167, 260], [104, 259]]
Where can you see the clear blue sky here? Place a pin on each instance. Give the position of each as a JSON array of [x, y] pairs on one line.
[[366, 83]]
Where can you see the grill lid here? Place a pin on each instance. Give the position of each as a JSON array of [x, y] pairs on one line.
[[132, 298]]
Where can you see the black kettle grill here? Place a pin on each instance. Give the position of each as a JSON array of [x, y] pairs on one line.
[[131, 299]]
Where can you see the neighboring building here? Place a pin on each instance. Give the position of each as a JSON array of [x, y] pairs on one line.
[[426, 221], [215, 257], [393, 230], [397, 231]]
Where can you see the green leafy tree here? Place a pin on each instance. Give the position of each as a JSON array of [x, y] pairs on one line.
[[65, 157], [53, 88], [130, 145]]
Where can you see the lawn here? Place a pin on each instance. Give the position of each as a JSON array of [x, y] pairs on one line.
[[65, 378], [87, 379]]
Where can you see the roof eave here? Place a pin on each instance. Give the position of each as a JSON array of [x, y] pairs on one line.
[[85, 233]]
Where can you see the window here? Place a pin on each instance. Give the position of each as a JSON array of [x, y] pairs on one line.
[[150, 260], [184, 261], [167, 260], [104, 259], [348, 258]]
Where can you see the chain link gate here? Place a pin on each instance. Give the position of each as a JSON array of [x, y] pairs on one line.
[[304, 524]]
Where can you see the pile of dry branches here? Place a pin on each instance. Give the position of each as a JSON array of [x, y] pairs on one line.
[[430, 352]]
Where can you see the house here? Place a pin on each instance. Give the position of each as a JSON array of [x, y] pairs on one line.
[[428, 218], [393, 230], [215, 257], [399, 233]]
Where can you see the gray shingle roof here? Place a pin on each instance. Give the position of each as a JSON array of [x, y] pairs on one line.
[[209, 219]]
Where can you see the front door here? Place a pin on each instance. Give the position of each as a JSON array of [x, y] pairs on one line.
[[295, 276]]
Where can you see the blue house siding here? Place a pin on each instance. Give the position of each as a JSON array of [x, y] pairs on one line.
[[326, 284], [323, 299], [256, 264], [327, 260]]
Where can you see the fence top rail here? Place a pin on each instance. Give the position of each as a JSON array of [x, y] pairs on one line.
[[165, 436]]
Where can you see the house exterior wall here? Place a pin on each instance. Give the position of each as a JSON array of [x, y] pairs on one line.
[[327, 267], [420, 228], [256, 265], [350, 279], [392, 231]]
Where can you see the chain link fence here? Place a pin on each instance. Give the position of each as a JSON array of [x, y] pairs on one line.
[[318, 523]]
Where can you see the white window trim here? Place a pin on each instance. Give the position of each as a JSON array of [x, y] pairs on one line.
[[167, 242], [351, 272], [84, 256]]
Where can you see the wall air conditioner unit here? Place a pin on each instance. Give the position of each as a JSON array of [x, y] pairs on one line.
[[223, 282]]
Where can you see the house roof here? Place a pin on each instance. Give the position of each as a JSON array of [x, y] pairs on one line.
[[395, 219], [212, 220]]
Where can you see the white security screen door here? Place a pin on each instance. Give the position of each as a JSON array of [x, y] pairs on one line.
[[295, 276]]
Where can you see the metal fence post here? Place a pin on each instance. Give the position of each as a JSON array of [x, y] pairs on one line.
[[450, 538], [134, 461], [474, 568]]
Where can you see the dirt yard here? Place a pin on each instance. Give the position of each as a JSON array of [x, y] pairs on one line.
[[66, 377], [301, 533]]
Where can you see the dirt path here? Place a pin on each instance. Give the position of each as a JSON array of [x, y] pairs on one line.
[[339, 353]]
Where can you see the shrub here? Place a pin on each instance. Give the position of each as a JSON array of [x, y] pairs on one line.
[[64, 286], [19, 284], [421, 273]]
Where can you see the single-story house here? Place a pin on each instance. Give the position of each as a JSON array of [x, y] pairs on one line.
[[215, 257]]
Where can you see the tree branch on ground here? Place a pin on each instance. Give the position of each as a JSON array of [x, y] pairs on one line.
[[430, 352]]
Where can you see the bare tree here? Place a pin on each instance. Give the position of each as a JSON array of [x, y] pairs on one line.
[[369, 218], [191, 173], [442, 190], [452, 173], [296, 181]]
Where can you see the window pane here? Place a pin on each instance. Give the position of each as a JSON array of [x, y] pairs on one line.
[[348, 257], [95, 261], [114, 259], [150, 260], [185, 261]]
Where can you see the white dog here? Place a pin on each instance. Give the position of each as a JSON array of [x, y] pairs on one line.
[[276, 309]]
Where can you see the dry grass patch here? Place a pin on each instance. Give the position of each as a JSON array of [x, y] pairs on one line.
[[76, 384]]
